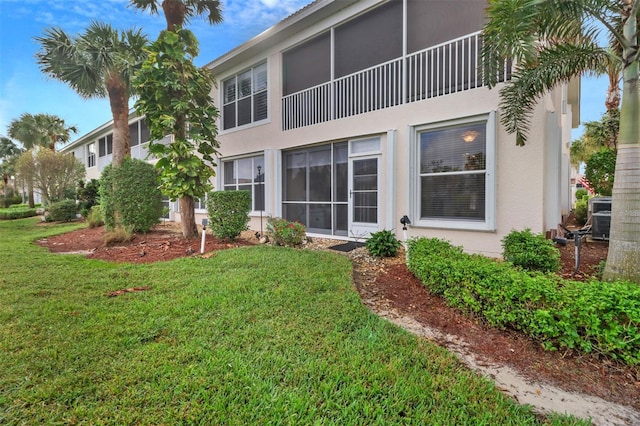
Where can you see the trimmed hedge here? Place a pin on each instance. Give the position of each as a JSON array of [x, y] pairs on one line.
[[16, 213], [228, 213], [130, 196], [62, 211], [529, 251], [586, 316]]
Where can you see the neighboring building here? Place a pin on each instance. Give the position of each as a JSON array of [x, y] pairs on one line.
[[96, 147], [349, 114]]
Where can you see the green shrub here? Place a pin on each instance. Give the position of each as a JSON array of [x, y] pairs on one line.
[[16, 213], [383, 244], [129, 196], [62, 211], [10, 200], [228, 213], [529, 251], [581, 211], [94, 217], [88, 195], [581, 193], [600, 170], [584, 316], [285, 233]]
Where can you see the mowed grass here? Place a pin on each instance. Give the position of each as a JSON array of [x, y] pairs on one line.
[[259, 335]]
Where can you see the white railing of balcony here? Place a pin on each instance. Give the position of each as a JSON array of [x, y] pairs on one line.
[[369, 90], [444, 69], [307, 107], [450, 67]]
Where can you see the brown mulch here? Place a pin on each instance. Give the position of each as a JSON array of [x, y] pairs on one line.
[[389, 282]]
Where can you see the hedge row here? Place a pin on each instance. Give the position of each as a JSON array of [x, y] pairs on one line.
[[586, 316], [15, 213]]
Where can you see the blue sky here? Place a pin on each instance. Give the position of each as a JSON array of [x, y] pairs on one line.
[[23, 88]]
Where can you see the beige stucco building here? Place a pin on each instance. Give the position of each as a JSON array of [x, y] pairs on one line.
[[350, 114]]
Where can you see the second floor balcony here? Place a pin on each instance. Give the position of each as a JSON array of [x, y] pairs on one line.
[[450, 67]]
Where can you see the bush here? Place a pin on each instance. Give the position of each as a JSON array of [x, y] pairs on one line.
[[88, 195], [383, 244], [285, 233], [590, 317], [581, 211], [94, 217], [228, 213], [581, 193], [129, 196], [529, 251], [62, 211], [16, 213], [117, 235], [10, 200]]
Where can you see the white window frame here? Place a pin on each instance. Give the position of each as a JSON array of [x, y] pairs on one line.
[[238, 97], [489, 223], [91, 155], [253, 184], [200, 204]]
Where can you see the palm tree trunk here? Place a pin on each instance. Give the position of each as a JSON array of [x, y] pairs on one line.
[[119, 102], [174, 13], [188, 217], [623, 260]]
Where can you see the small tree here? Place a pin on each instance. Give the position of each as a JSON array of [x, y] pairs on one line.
[[129, 196], [600, 171], [53, 173], [175, 98]]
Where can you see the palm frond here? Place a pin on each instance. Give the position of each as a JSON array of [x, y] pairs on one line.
[[555, 64]]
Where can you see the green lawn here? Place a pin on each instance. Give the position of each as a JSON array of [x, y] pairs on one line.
[[259, 335]]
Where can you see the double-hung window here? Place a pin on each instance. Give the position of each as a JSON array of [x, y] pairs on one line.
[[91, 154], [455, 182], [246, 174], [245, 97]]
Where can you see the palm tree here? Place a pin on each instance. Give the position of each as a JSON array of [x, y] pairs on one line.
[[98, 63], [9, 151], [558, 40], [45, 130], [39, 130], [179, 12]]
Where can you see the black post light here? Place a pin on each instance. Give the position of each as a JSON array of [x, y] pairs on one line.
[[404, 220]]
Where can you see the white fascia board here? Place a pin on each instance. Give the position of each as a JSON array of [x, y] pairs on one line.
[[294, 23]]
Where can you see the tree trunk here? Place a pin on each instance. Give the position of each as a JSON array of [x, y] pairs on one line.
[[174, 13], [623, 259], [119, 102], [188, 216], [32, 201]]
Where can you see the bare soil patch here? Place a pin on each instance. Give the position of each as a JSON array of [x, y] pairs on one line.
[[390, 290]]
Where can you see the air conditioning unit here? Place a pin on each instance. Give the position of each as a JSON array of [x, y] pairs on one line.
[[600, 225], [600, 204]]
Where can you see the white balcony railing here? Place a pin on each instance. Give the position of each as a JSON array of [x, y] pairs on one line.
[[447, 68]]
